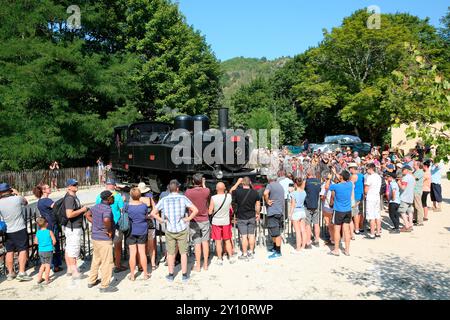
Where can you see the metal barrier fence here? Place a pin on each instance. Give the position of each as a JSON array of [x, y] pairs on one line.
[[24, 181]]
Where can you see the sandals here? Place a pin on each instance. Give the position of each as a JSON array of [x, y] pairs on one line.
[[131, 279], [331, 253], [147, 276], [347, 254], [154, 268]]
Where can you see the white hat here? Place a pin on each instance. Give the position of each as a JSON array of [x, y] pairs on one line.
[[143, 187], [352, 165]]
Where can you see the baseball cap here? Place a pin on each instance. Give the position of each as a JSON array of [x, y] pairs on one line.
[[390, 174], [390, 166], [4, 187], [111, 181], [175, 181], [105, 195], [352, 165], [407, 168], [71, 182]]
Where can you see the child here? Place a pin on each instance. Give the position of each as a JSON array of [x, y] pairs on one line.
[[45, 239]]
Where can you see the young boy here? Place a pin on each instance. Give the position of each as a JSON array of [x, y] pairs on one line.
[[393, 196], [45, 239]]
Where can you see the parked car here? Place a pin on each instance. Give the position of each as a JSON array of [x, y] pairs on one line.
[[354, 142]]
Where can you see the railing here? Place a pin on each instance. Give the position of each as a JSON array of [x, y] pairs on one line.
[[24, 181]]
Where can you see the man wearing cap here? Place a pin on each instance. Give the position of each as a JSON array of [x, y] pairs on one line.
[[173, 208], [418, 207], [11, 204], [406, 208], [73, 228], [116, 207], [102, 221], [358, 182]]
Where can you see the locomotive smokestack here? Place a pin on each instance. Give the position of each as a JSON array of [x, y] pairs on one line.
[[223, 119]]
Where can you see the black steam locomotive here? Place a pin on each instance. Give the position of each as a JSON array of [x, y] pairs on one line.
[[155, 152]]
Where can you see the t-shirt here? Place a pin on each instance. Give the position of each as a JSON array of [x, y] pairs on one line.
[[199, 197], [327, 194], [72, 202], [342, 196], [116, 207], [299, 197], [427, 181], [285, 182], [312, 188], [359, 187], [222, 217], [393, 186], [11, 212], [137, 213], [419, 175], [276, 194], [407, 194], [45, 243], [436, 173], [45, 208], [245, 200], [373, 181], [99, 212]]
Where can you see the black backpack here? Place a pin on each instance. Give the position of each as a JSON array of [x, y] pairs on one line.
[[59, 211]]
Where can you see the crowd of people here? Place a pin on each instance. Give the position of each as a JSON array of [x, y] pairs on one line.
[[342, 187]]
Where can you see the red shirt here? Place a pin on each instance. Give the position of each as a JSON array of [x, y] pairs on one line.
[[199, 197]]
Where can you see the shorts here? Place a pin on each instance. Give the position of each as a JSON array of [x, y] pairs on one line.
[[436, 192], [298, 214], [180, 238], [275, 224], [73, 239], [357, 208], [118, 236], [246, 226], [16, 241], [136, 239], [405, 208], [339, 218], [221, 232], [200, 231], [312, 216], [424, 198], [373, 209], [151, 234], [46, 257]]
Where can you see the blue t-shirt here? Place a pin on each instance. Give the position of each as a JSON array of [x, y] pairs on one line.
[[359, 187], [45, 208], [99, 212], [116, 206], [393, 186], [342, 196], [299, 197], [44, 239], [312, 188], [138, 218]]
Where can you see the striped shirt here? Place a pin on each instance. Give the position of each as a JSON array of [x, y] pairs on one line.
[[173, 208]]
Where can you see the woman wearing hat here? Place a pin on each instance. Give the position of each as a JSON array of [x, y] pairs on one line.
[[151, 247]]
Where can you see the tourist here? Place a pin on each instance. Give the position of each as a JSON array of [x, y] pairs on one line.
[[45, 207], [16, 240], [274, 198], [393, 197], [372, 187], [117, 208], [101, 168], [418, 190], [406, 208], [102, 220], [436, 188], [426, 188], [312, 188], [297, 214], [327, 208], [151, 247], [219, 210], [248, 207], [45, 239], [88, 176], [73, 229], [54, 172], [356, 226], [342, 204], [200, 227], [173, 208], [136, 241]]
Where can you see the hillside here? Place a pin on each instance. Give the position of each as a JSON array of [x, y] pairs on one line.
[[240, 71]]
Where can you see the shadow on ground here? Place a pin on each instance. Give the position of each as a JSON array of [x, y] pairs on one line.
[[396, 278]]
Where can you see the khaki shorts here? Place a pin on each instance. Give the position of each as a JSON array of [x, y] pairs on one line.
[[405, 208], [180, 238]]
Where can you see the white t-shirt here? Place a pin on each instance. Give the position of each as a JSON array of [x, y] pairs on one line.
[[326, 203], [222, 217], [374, 182]]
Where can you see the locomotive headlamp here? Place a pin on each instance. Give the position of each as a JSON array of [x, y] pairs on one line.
[[218, 174]]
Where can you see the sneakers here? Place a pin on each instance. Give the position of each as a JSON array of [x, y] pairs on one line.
[[395, 231], [11, 276], [275, 255], [219, 262], [108, 289], [242, 257], [378, 235], [371, 236], [308, 246], [185, 277], [23, 277], [91, 285], [316, 244], [250, 255], [170, 277], [272, 250]]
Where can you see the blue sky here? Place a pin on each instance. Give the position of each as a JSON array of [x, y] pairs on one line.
[[275, 28]]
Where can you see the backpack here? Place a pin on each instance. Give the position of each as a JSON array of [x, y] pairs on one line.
[[59, 212], [124, 222], [2, 228]]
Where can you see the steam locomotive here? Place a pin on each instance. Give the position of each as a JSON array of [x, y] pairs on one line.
[[156, 152]]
